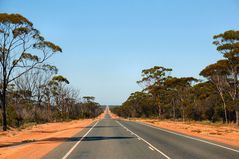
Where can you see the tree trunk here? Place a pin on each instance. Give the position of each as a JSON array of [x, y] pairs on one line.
[[159, 107], [48, 108], [4, 104], [174, 112], [225, 113], [183, 115], [237, 117], [224, 107]]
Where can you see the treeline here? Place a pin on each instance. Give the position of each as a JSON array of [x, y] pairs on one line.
[[31, 90], [187, 98]]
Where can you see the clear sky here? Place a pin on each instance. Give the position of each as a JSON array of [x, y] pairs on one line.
[[106, 43]]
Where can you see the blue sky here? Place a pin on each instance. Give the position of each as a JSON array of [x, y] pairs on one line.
[[106, 43]]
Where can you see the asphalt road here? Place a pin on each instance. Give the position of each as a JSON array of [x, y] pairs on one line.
[[117, 139]]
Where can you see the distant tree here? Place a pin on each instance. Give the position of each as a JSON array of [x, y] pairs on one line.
[[71, 100], [89, 108], [171, 101], [89, 98], [153, 80], [182, 88], [207, 102], [22, 48], [57, 85], [139, 104]]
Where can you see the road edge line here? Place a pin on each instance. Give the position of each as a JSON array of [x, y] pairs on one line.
[[149, 144], [189, 137], [78, 142]]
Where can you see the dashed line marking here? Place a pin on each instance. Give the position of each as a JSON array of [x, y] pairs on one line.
[[151, 148], [149, 144], [189, 137]]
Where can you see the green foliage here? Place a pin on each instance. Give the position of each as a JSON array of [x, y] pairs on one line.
[[14, 19], [219, 68], [47, 45], [154, 76], [188, 98], [60, 79], [89, 99], [184, 98]]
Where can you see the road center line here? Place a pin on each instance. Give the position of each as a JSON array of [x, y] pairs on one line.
[[189, 137], [151, 148], [150, 145], [78, 142]]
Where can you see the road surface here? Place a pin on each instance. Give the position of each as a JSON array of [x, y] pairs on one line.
[[117, 139]]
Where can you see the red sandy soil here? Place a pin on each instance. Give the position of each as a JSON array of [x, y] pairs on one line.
[[112, 115], [228, 134], [34, 142], [222, 133]]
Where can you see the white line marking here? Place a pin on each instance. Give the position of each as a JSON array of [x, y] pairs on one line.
[[145, 141], [78, 142], [189, 137], [151, 148]]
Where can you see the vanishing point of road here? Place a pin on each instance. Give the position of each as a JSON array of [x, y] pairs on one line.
[[118, 139]]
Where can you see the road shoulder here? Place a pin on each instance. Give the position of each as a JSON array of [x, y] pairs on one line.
[[228, 135], [39, 140]]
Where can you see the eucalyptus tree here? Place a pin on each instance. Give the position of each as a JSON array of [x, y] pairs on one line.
[[172, 102], [182, 88], [89, 108], [228, 44], [56, 88], [22, 48], [207, 102], [153, 80], [218, 74], [139, 104], [89, 99]]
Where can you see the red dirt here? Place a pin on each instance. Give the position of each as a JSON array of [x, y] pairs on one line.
[[228, 134], [222, 133], [35, 142]]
